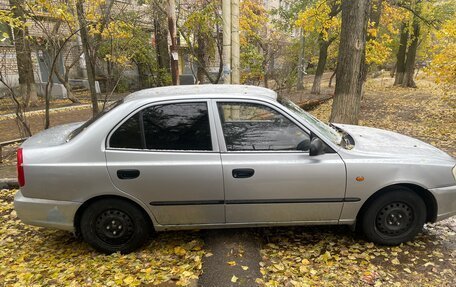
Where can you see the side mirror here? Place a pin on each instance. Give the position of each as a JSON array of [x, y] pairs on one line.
[[304, 145], [316, 147]]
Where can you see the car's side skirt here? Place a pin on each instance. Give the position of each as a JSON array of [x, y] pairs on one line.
[[244, 224]]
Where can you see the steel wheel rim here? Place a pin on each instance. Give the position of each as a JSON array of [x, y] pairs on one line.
[[114, 226], [394, 219]]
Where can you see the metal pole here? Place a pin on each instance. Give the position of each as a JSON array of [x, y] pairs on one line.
[[235, 46], [301, 67], [226, 22], [174, 49]]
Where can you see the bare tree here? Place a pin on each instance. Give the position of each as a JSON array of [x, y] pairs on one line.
[[19, 108], [208, 36], [88, 55]]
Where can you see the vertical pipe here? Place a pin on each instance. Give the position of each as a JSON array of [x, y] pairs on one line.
[[174, 49], [235, 46], [226, 22], [301, 67]]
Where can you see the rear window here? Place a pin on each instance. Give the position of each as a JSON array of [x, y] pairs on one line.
[[94, 119]]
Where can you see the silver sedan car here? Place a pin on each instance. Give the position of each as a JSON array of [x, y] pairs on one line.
[[212, 156]]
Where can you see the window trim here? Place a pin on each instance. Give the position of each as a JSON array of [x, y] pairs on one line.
[[221, 137], [214, 141]]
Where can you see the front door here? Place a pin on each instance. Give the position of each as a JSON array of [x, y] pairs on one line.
[[45, 63], [167, 156], [269, 175]]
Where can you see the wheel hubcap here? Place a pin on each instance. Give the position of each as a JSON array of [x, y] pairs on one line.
[[114, 226], [394, 219]]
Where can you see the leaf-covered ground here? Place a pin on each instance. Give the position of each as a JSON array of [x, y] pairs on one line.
[[333, 256], [32, 256]]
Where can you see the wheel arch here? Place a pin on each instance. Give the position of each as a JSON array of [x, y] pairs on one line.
[[78, 214], [426, 196]]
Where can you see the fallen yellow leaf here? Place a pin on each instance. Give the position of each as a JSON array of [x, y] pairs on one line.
[[179, 251], [231, 263], [234, 279]]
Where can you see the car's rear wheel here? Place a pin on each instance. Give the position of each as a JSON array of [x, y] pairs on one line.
[[394, 217], [112, 225]]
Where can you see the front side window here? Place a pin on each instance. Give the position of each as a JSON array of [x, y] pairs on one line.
[[255, 127], [178, 126], [323, 128]]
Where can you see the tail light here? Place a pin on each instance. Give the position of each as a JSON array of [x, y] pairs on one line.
[[20, 168]]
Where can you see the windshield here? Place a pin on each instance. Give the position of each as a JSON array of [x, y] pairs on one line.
[[330, 133], [94, 119]]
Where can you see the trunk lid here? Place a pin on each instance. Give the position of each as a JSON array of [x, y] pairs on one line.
[[51, 137]]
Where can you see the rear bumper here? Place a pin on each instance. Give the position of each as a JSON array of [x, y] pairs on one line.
[[446, 201], [47, 213]]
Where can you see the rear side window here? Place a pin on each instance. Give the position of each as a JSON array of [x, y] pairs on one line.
[[183, 126], [179, 126], [128, 135]]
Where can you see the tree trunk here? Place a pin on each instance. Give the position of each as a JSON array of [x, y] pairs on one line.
[[65, 83], [300, 84], [323, 55], [27, 87], [265, 64], [85, 47], [411, 56], [142, 74], [393, 71], [332, 78], [171, 11], [201, 56], [352, 50], [400, 57], [161, 44]]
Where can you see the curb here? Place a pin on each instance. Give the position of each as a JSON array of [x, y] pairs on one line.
[[8, 183], [40, 112]]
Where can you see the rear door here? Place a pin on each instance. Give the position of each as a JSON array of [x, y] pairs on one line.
[[167, 155], [268, 173]]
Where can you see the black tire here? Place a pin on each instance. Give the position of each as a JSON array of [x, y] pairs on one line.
[[394, 217], [114, 225]]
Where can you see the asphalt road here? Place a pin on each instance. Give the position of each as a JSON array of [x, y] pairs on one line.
[[235, 260]]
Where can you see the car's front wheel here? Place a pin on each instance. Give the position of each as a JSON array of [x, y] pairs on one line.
[[112, 225], [394, 217]]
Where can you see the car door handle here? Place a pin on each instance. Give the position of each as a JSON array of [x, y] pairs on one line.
[[127, 173], [243, 172]]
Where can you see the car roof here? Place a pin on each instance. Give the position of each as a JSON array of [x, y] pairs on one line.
[[210, 91]]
